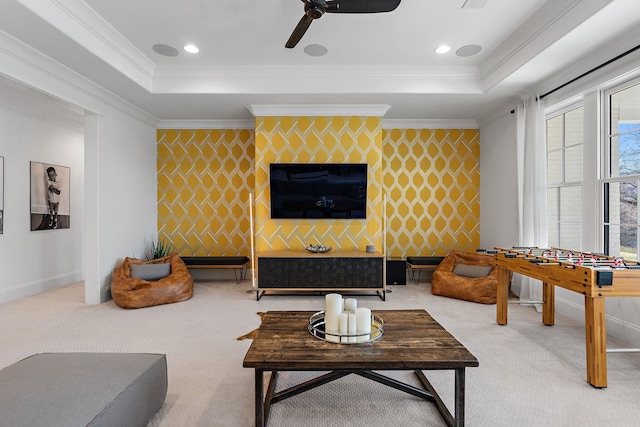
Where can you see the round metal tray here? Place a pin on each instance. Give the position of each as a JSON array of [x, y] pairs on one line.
[[319, 250], [317, 329]]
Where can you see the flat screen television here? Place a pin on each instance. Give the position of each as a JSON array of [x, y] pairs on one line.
[[318, 190]]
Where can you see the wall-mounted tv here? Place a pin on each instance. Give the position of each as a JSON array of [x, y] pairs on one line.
[[318, 190]]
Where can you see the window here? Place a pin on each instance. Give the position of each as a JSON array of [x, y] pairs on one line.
[[564, 133], [622, 171]]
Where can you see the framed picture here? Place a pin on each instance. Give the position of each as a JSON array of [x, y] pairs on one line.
[[50, 187], [1, 194]]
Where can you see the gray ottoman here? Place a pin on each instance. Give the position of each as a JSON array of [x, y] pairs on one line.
[[83, 389]]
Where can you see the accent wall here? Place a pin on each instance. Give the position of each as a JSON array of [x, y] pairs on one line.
[[429, 177], [318, 140], [432, 182], [204, 181]]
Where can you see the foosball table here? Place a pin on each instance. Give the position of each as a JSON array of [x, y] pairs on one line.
[[596, 276]]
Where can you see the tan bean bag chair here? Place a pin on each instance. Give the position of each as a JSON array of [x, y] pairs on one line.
[[147, 289], [466, 276]]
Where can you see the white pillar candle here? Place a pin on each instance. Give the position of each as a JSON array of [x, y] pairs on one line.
[[344, 326], [332, 311], [363, 321], [350, 305], [352, 327]]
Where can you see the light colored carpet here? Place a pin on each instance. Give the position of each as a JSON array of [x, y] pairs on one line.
[[529, 374]]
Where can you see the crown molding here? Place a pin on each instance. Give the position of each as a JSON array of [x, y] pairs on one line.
[[250, 124], [430, 124], [207, 124], [550, 23], [82, 24], [27, 66], [447, 72], [306, 79], [375, 110]]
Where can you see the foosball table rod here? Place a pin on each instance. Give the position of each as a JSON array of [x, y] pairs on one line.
[[623, 350], [525, 302]]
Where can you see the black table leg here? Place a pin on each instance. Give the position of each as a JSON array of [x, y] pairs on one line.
[[457, 418], [459, 398], [259, 403]]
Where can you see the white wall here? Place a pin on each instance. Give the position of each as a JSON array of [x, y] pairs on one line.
[[128, 195], [34, 127], [498, 185], [119, 204]]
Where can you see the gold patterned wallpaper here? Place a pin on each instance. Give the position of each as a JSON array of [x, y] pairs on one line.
[[204, 181], [430, 179], [432, 183], [318, 140]]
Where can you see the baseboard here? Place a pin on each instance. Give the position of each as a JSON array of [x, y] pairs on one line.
[[616, 327], [35, 287]]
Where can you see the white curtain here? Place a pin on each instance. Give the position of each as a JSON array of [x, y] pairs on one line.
[[532, 190]]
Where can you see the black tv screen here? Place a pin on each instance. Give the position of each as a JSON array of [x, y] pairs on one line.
[[318, 190]]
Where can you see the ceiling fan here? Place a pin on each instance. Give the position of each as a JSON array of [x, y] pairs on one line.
[[314, 9]]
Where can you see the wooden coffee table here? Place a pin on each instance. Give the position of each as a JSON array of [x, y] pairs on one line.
[[412, 340]]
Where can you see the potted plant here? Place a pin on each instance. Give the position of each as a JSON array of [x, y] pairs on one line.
[[158, 249]]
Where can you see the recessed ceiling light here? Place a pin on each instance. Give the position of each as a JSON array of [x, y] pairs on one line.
[[191, 48], [165, 50], [315, 50], [468, 50], [443, 49]]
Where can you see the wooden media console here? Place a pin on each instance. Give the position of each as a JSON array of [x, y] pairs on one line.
[[335, 271]]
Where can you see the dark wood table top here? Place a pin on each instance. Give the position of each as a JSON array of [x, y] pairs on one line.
[[412, 339]]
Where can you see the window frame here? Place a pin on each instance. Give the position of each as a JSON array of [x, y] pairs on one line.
[[606, 178], [556, 226]]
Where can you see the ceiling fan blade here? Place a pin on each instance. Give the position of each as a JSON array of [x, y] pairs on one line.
[[299, 31], [361, 6]]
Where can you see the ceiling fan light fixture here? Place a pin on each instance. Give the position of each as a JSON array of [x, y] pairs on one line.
[[315, 9], [314, 12], [443, 49]]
